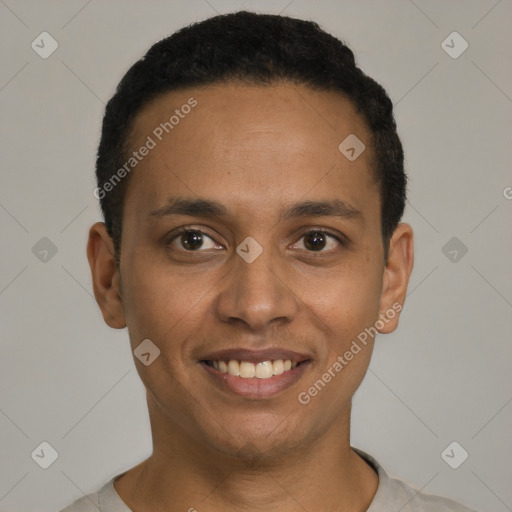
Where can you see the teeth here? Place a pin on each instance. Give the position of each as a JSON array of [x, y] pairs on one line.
[[264, 370], [278, 367], [233, 368], [247, 370]]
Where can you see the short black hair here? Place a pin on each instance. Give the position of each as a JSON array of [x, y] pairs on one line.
[[254, 49]]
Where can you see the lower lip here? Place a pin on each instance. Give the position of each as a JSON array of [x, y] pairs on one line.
[[256, 388]]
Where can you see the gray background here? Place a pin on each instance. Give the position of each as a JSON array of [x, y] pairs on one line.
[[444, 376]]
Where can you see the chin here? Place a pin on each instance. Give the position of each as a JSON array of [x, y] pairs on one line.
[[249, 443]]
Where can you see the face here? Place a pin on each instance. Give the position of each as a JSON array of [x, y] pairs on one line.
[[248, 236]]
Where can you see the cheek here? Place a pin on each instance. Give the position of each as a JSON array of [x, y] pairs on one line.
[[167, 308], [347, 301], [159, 303], [346, 308]]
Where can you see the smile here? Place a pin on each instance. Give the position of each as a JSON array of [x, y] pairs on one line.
[[249, 370], [255, 380]]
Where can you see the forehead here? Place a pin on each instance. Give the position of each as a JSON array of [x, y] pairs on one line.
[[239, 142], [228, 113]]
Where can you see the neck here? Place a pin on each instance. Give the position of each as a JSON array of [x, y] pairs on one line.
[[182, 475]]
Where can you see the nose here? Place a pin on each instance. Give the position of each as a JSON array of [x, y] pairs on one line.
[[257, 294]]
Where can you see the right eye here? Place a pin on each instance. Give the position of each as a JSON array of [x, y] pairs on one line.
[[191, 240]]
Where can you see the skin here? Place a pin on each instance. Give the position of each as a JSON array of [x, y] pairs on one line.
[[255, 150]]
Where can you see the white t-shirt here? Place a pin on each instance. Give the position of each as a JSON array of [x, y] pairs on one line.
[[393, 495]]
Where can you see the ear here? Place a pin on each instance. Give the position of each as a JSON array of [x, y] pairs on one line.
[[106, 280], [396, 277]]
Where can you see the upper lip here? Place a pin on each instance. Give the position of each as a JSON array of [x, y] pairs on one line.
[[255, 356]]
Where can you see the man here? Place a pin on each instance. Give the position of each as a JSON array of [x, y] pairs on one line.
[[252, 185]]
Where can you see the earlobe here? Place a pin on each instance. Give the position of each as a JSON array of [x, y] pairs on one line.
[[396, 277], [105, 276]]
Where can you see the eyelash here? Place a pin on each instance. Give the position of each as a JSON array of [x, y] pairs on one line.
[[185, 229]]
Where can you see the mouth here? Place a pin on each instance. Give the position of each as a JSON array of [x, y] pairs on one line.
[[255, 374], [248, 370]]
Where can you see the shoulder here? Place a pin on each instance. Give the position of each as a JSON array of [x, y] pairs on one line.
[[394, 494], [89, 503], [414, 500], [104, 499]]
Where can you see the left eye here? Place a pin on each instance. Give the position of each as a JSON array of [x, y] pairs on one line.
[[317, 241]]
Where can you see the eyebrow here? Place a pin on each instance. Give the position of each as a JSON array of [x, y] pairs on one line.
[[331, 208], [208, 208]]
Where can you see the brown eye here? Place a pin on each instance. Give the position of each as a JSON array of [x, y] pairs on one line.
[[318, 241], [192, 240], [315, 241]]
